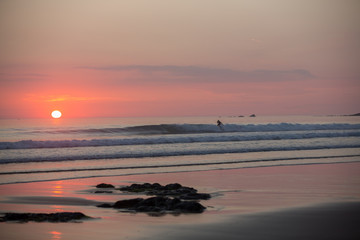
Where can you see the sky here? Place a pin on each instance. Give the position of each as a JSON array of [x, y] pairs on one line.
[[129, 58]]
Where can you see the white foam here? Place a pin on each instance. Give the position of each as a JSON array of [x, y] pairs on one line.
[[182, 138]]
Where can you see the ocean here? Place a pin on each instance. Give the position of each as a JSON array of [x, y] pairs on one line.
[[55, 149]]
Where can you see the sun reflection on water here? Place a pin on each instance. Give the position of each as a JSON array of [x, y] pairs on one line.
[[57, 208], [57, 190], [55, 235]]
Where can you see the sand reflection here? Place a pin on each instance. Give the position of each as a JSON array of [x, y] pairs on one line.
[[58, 189], [55, 235]]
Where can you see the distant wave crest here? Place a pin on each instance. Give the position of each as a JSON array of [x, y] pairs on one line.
[[205, 128]]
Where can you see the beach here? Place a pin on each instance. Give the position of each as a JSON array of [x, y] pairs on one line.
[[179, 120], [270, 177], [319, 201]]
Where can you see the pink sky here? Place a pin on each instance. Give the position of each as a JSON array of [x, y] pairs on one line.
[[94, 58]]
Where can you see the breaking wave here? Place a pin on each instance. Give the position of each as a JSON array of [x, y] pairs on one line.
[[190, 133], [159, 150], [203, 128]]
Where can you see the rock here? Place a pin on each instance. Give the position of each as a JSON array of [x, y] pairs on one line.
[[103, 192], [190, 207], [44, 217], [158, 204], [173, 189], [195, 196], [128, 203], [153, 204], [171, 198], [156, 186], [105, 205], [141, 187], [173, 186], [104, 185]]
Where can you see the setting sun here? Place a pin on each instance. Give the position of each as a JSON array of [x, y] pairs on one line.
[[56, 114]]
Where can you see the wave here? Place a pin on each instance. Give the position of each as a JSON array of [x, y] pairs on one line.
[[159, 152], [175, 165], [203, 128], [248, 133]]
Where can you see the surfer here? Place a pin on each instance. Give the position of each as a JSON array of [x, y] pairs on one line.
[[220, 124]]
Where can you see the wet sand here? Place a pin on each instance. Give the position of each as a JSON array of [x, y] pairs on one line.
[[288, 202], [326, 221]]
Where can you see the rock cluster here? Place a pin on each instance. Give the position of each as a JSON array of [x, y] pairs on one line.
[[157, 204], [174, 189], [44, 217], [173, 198]]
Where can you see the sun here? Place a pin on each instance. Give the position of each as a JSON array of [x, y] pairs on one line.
[[56, 114]]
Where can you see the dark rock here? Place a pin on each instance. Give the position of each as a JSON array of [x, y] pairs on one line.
[[156, 186], [173, 203], [128, 203], [105, 205], [158, 204], [168, 199], [173, 186], [44, 217], [154, 201], [195, 196], [190, 207], [173, 189], [103, 192], [147, 185], [104, 185], [135, 188]]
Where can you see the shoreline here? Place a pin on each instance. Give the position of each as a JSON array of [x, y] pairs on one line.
[[248, 195], [192, 171]]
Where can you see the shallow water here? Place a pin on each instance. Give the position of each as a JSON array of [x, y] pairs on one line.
[[38, 150]]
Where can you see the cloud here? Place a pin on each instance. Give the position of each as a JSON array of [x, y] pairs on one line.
[[67, 98], [62, 98], [6, 77], [208, 74]]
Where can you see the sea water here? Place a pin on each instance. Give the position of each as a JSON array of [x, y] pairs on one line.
[[55, 149]]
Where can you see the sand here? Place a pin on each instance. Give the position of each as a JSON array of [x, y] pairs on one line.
[[285, 202], [326, 221]]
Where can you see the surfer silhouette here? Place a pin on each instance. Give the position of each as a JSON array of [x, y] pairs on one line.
[[220, 124]]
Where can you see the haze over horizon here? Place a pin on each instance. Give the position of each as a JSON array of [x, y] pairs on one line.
[[93, 58]]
